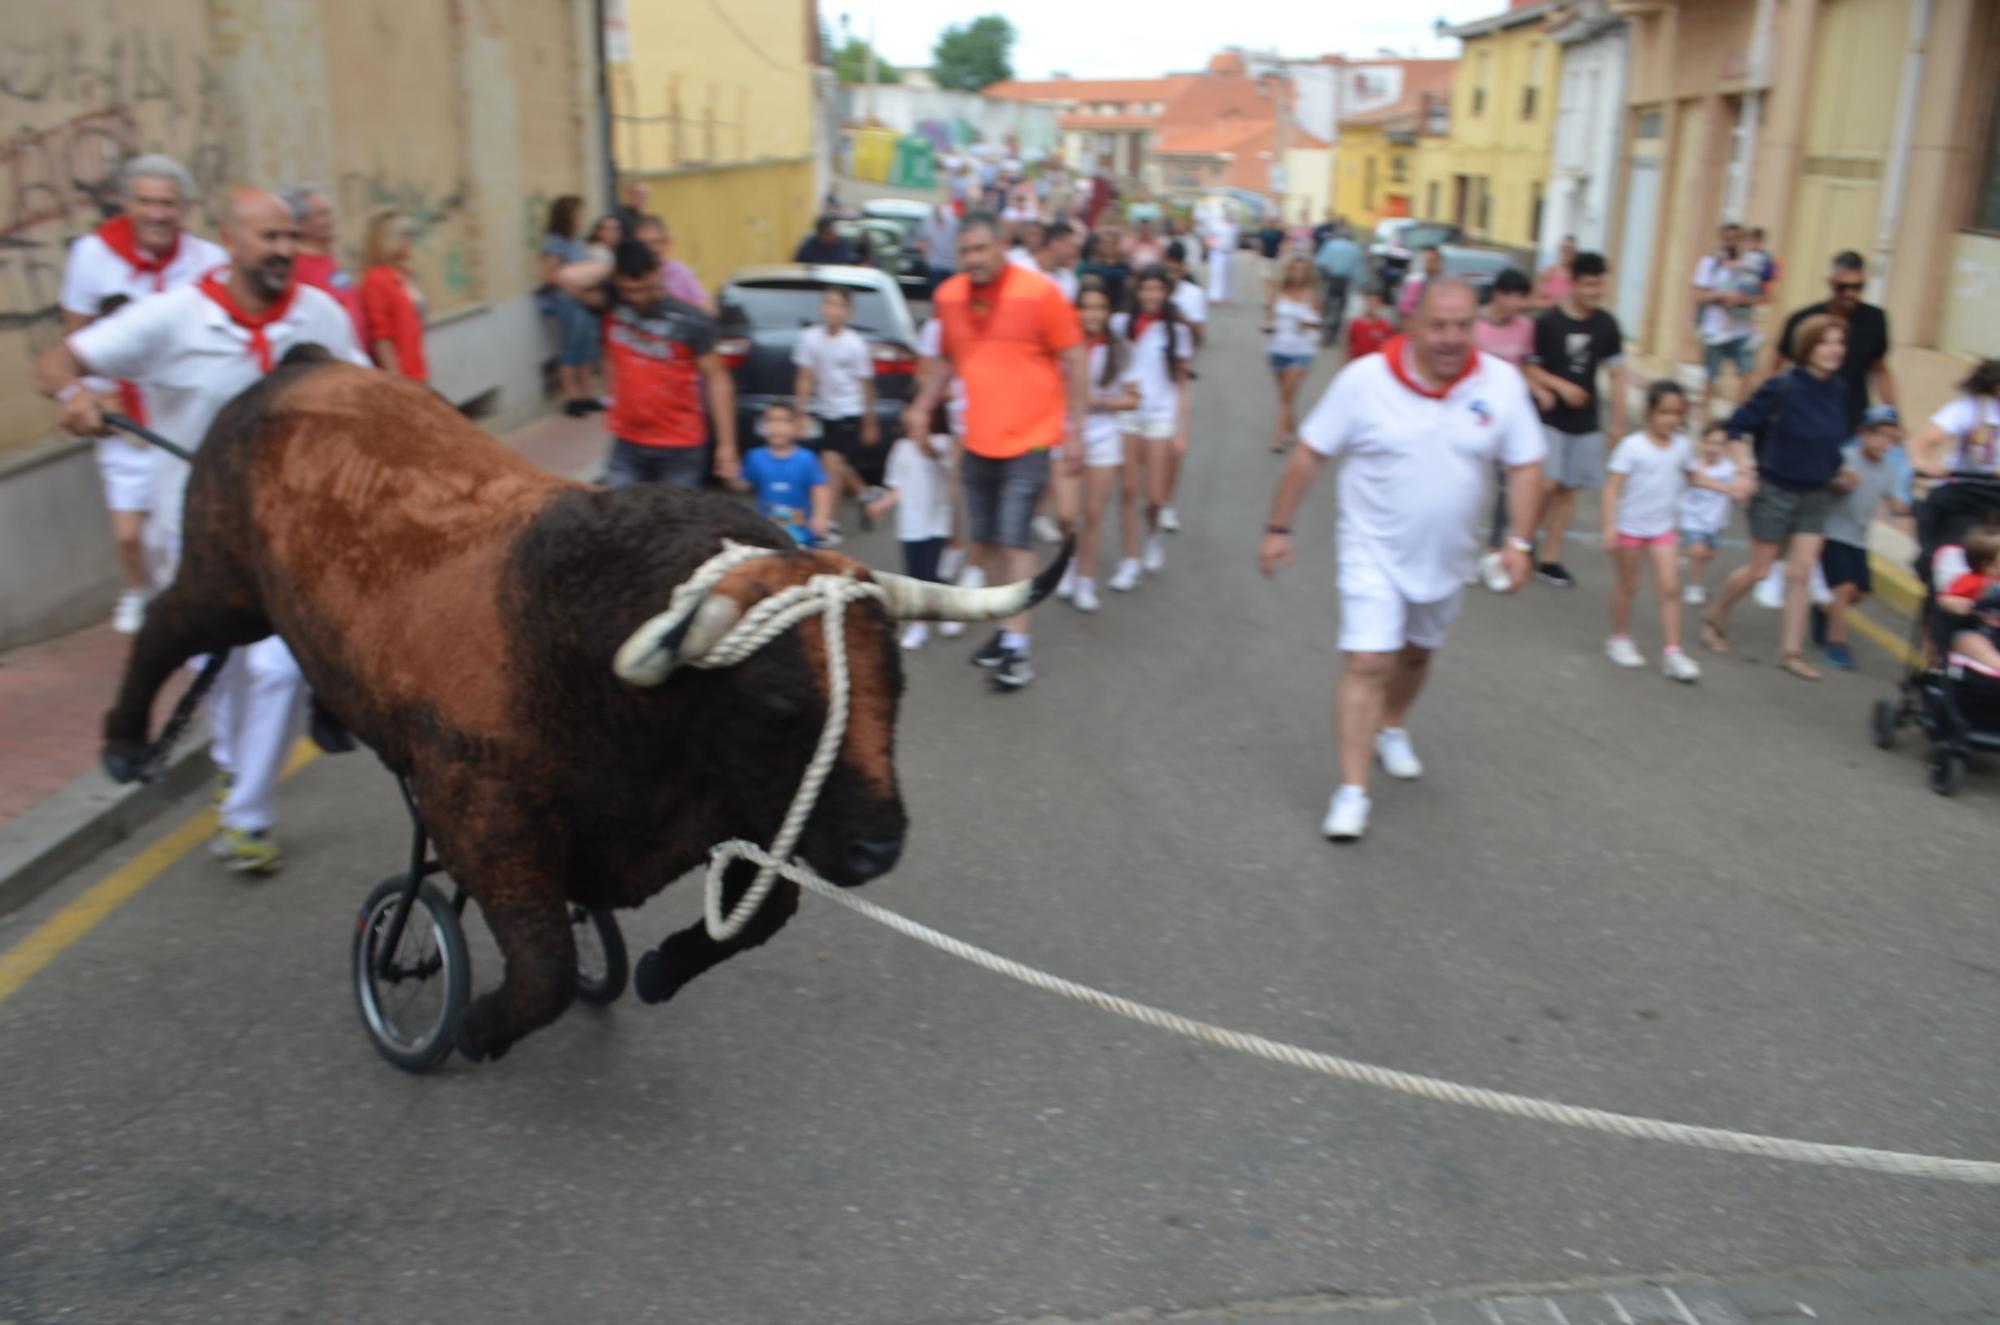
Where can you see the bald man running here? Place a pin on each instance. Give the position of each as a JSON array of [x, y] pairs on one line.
[[194, 350], [1418, 427]]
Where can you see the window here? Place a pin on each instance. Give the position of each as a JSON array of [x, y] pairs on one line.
[[1535, 213], [1528, 101], [1649, 124], [1531, 93], [1986, 204], [1479, 83], [1399, 169], [1431, 199], [1485, 222], [1368, 186]]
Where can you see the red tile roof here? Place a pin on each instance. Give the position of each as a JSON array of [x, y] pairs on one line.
[[1421, 79], [1092, 89]]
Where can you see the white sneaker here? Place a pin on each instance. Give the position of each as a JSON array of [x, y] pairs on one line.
[[1694, 595], [1346, 815], [1126, 578], [972, 577], [951, 629], [1623, 652], [1679, 667], [1392, 748], [1046, 530], [916, 634], [1155, 558], [1086, 595], [1067, 588], [1493, 572], [1770, 591], [1170, 520], [130, 613], [950, 562]]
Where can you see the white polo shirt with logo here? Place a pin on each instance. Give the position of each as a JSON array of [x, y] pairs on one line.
[[192, 359], [1416, 463]]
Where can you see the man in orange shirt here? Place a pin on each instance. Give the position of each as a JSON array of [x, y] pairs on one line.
[[1015, 342]]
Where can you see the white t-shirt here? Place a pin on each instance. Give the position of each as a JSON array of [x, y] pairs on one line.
[[1222, 236], [94, 273], [930, 344], [1716, 323], [923, 490], [1704, 510], [1192, 303], [839, 364], [1974, 423], [1655, 478], [192, 360], [1020, 257], [1100, 427], [1416, 463], [1293, 323], [1065, 279], [1159, 394]]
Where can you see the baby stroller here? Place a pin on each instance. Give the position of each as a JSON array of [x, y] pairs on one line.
[[1958, 711]]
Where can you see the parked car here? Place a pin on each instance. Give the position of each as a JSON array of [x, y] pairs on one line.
[[762, 310], [890, 249], [1398, 240]]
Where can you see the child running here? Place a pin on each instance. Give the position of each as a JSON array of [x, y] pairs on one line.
[[918, 487], [1976, 596], [1293, 321], [836, 381], [792, 491], [1161, 346], [1114, 390], [1705, 509], [1647, 474]]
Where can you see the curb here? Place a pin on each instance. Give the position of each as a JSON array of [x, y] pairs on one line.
[[1895, 587], [91, 815]]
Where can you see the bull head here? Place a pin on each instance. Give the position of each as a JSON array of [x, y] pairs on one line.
[[649, 655]]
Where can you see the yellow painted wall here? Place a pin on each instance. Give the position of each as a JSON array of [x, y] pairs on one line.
[[708, 84], [735, 216], [1508, 147], [1309, 182], [1432, 166], [1359, 145]]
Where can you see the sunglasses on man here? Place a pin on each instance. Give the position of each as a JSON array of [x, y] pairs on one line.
[[1847, 287]]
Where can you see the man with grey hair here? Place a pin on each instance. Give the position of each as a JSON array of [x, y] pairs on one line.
[[139, 252], [314, 262]]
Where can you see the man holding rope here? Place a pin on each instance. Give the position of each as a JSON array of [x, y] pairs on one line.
[[194, 350], [1418, 428]]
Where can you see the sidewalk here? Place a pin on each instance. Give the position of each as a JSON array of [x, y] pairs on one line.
[[56, 807]]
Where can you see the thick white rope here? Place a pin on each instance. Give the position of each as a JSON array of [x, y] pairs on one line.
[[828, 596]]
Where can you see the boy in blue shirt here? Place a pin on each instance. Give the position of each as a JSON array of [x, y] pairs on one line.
[[791, 487]]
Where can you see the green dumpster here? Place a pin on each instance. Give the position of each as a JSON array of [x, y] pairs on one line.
[[915, 165]]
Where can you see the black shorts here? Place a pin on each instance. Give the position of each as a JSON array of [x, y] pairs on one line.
[[1844, 563], [840, 436]]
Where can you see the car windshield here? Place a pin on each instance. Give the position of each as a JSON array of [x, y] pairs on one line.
[[790, 304], [1424, 236]]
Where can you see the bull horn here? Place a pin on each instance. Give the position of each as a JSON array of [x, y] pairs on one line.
[[924, 600], [650, 654]]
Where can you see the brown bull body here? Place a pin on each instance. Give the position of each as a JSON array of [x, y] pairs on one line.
[[459, 609]]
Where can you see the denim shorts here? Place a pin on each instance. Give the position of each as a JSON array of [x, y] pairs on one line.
[[1708, 538], [579, 333], [1000, 496], [1280, 362], [675, 466], [1737, 352]]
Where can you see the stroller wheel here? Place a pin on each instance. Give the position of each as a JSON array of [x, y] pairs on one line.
[[1947, 771], [1884, 720]]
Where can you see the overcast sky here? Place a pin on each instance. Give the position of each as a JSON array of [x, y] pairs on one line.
[[1123, 39]]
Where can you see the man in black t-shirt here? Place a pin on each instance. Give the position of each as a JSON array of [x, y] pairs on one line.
[[825, 246], [1867, 363], [1572, 341]]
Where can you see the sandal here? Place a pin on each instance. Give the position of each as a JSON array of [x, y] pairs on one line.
[[1796, 664], [1713, 637]]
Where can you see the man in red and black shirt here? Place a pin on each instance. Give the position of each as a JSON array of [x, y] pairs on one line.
[[660, 354]]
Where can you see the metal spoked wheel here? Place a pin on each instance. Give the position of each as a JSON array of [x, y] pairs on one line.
[[601, 968], [411, 1005]]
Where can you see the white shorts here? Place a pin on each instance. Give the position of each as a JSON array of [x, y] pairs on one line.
[[1103, 444], [127, 469], [1376, 618], [1153, 430]]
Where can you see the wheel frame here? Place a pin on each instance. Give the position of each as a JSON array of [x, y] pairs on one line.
[[603, 991], [428, 908], [1946, 773], [1885, 722]]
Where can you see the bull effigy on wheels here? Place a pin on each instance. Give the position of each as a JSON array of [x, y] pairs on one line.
[[508, 643]]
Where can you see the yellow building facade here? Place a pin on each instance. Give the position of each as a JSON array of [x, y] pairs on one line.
[[713, 107], [1502, 139], [1863, 125]]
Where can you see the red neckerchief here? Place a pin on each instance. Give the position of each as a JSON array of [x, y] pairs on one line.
[[1100, 340], [1394, 351], [984, 300], [118, 237], [254, 323], [1141, 324]]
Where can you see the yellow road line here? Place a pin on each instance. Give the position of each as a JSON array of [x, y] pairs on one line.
[[47, 940], [1878, 634]]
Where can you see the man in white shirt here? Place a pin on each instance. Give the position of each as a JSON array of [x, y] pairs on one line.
[[194, 350], [1221, 257], [1418, 427], [1728, 287], [139, 252]]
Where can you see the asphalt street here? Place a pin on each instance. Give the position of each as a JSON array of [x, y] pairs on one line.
[[1715, 904]]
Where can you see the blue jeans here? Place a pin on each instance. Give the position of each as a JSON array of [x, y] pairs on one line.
[[675, 466]]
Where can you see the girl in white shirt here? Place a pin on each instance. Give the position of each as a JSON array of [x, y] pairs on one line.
[[1114, 391], [1293, 320], [1161, 347], [1965, 434], [1644, 481]]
